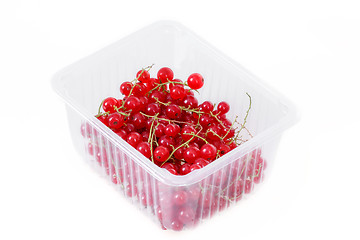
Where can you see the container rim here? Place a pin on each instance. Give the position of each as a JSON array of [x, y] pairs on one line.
[[291, 117]]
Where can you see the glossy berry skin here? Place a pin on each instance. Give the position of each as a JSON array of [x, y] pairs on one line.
[[208, 152], [186, 215], [187, 133], [152, 109], [185, 169], [143, 76], [138, 120], [224, 148], [190, 102], [167, 142], [201, 162], [134, 139], [173, 111], [191, 154], [223, 107], [132, 103], [213, 132], [144, 149], [195, 81], [109, 103], [159, 130], [157, 96], [176, 225], [165, 74], [177, 92], [125, 88], [172, 130], [179, 153], [116, 120], [206, 107], [161, 154], [104, 119]]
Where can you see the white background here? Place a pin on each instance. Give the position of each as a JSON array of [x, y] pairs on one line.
[[309, 50]]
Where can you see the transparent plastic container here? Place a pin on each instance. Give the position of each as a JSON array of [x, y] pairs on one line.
[[175, 202]]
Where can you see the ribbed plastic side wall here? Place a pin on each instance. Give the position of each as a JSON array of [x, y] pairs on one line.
[[175, 207]]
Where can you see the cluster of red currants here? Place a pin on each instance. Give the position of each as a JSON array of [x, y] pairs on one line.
[[163, 120]]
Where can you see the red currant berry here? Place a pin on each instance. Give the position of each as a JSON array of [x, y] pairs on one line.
[[175, 82], [152, 109], [186, 215], [205, 120], [213, 132], [206, 107], [190, 102], [125, 88], [161, 154], [187, 133], [104, 119], [134, 139], [138, 120], [173, 111], [108, 104], [129, 127], [159, 130], [143, 76], [180, 198], [116, 120], [166, 141], [195, 81], [172, 130], [157, 96], [122, 133], [185, 169], [208, 152], [223, 107], [165, 74], [177, 92], [224, 148], [178, 154], [176, 225], [191, 154], [132, 103], [144, 149]]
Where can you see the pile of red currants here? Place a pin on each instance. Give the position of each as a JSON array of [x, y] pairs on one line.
[[163, 120]]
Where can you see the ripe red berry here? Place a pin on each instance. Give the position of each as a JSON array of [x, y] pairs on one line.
[[143, 76], [138, 120], [132, 103], [165, 74], [187, 133], [180, 198], [173, 111], [206, 107], [172, 129], [166, 141], [208, 152], [125, 88], [152, 109], [185, 169], [134, 139], [195, 81], [144, 149], [109, 103], [190, 102], [223, 107], [116, 120], [191, 154], [161, 154], [177, 92]]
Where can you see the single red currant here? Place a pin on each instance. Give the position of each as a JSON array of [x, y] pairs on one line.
[[125, 88], [165, 74], [144, 149], [134, 139], [223, 107], [161, 154], [108, 104], [191, 154], [116, 120], [195, 81], [132, 103], [172, 129], [208, 152], [173, 111], [143, 76]]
